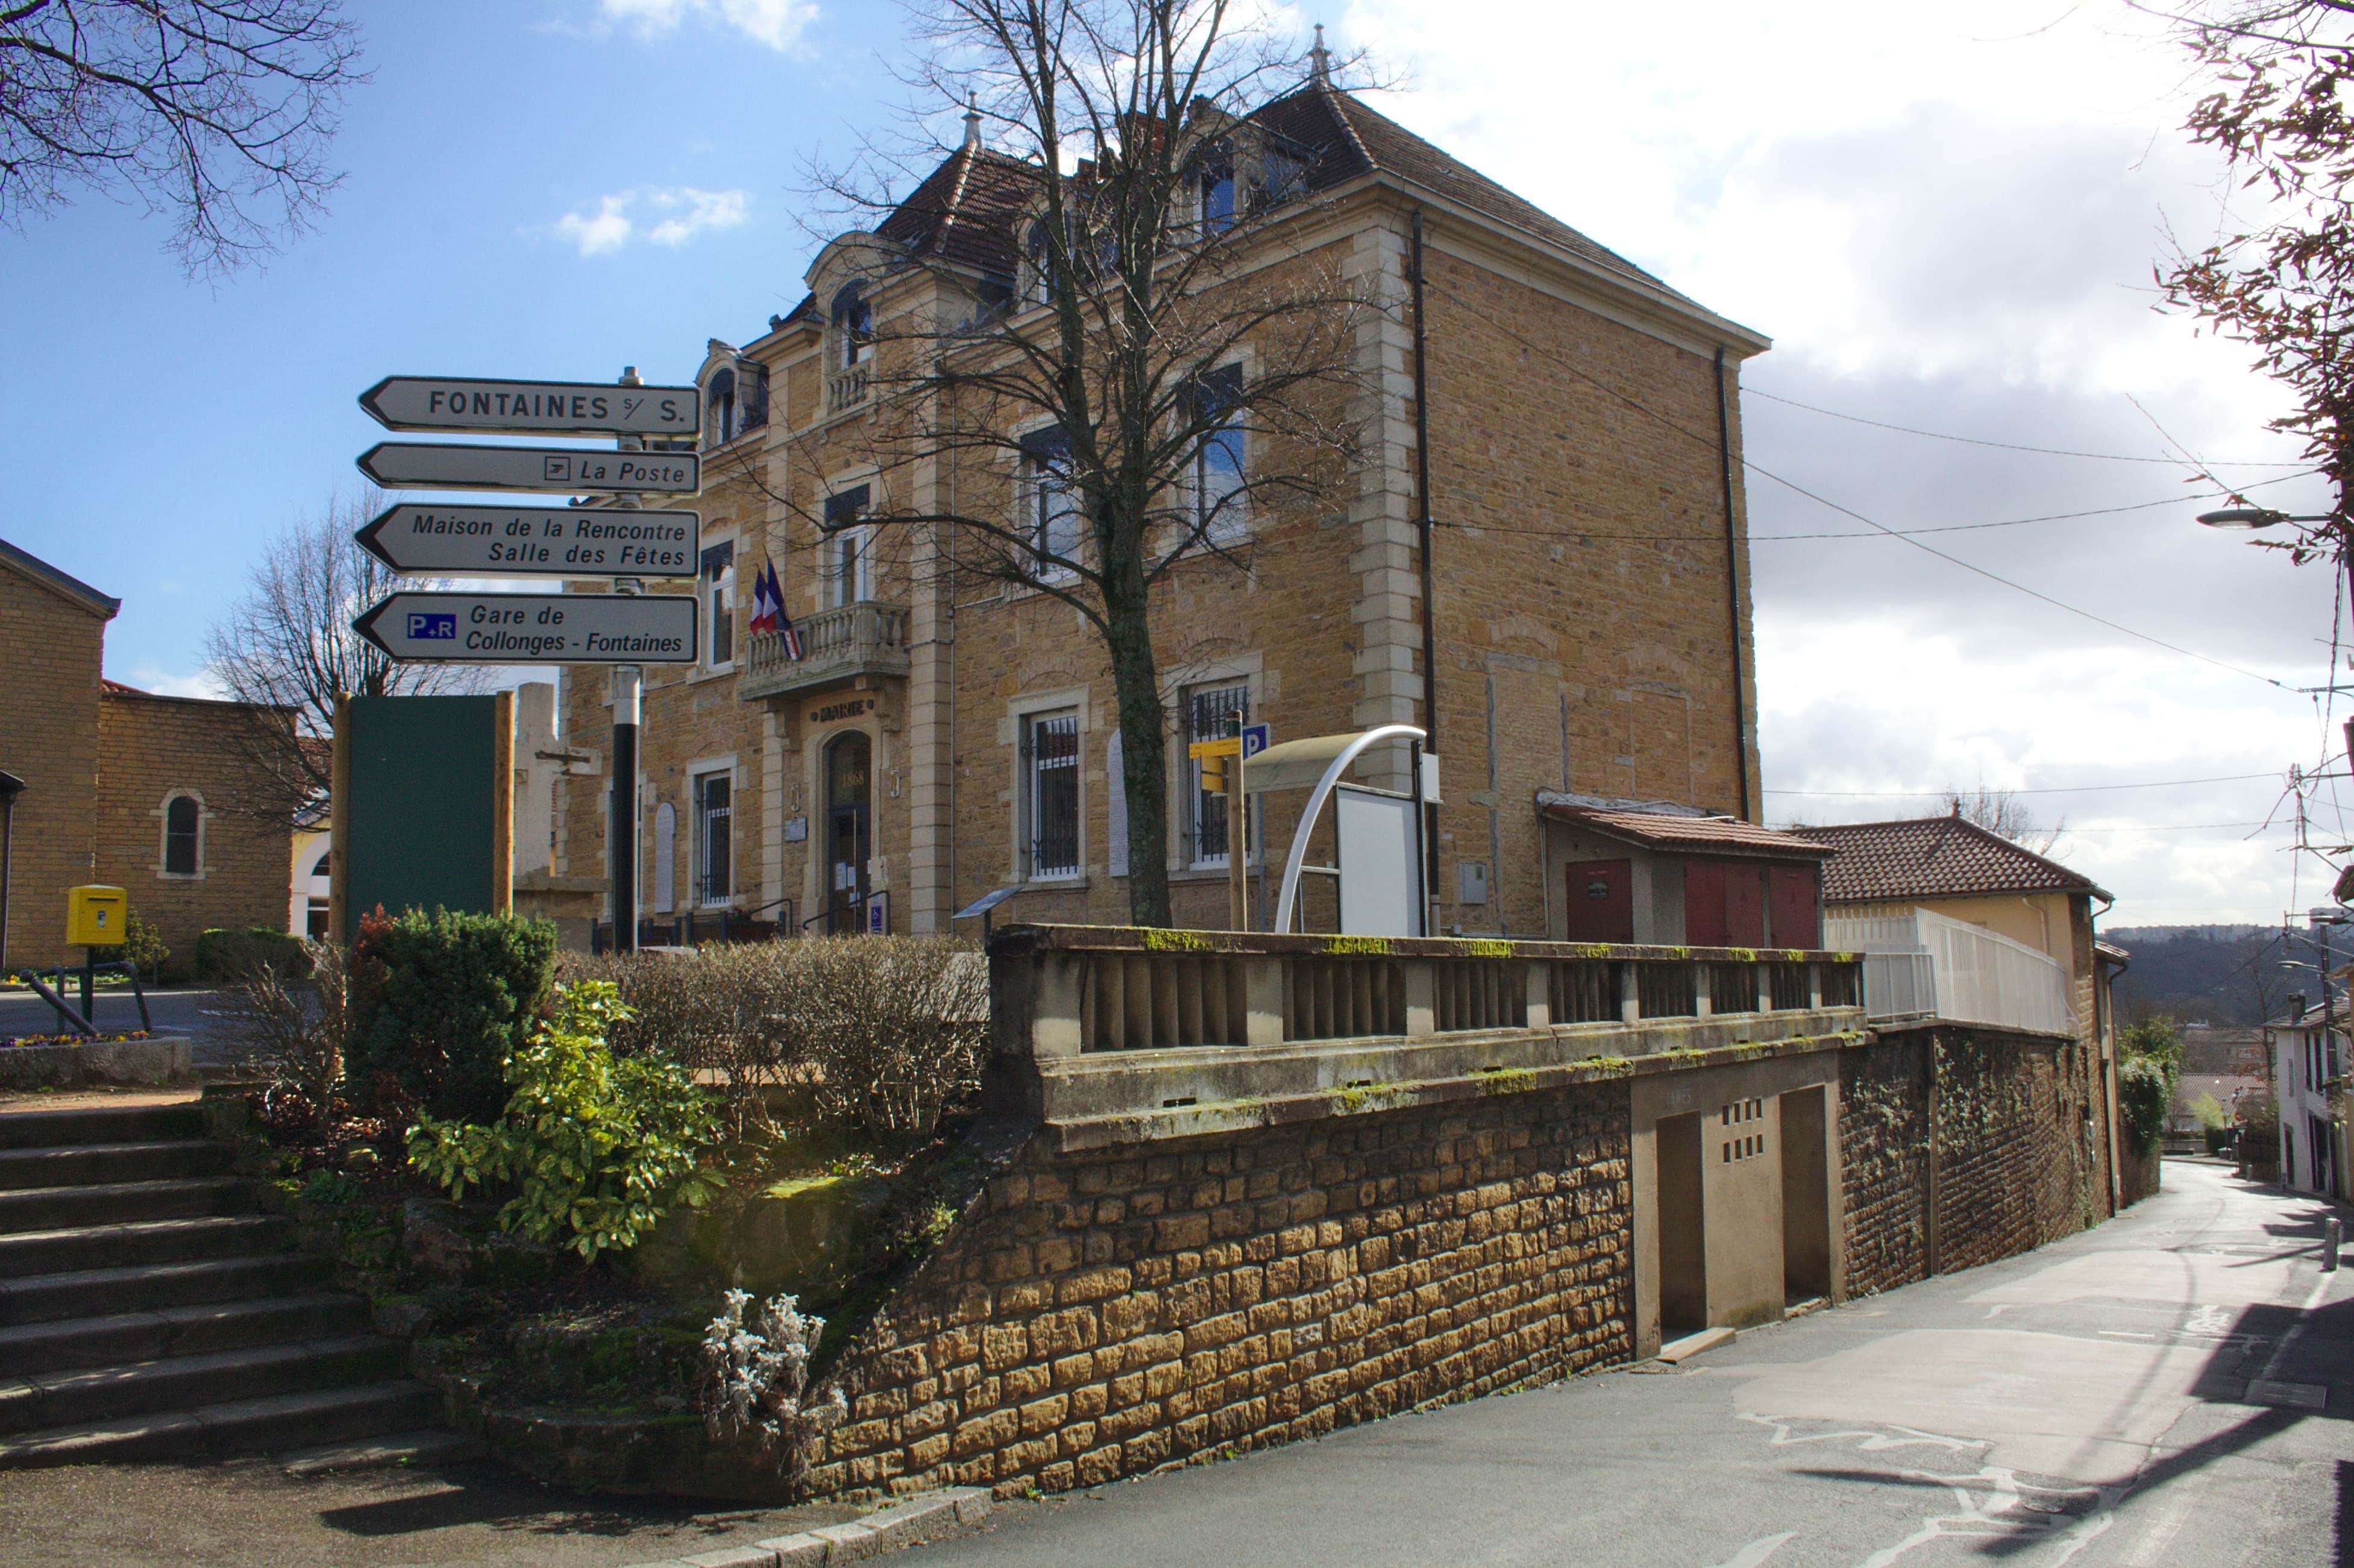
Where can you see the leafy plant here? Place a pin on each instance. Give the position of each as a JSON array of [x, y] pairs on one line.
[[756, 1374], [441, 1001], [2145, 1091], [300, 1041], [142, 945], [597, 1148], [225, 957]]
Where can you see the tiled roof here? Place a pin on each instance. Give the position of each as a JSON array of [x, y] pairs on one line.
[[1933, 857], [1690, 834], [965, 210], [66, 583]]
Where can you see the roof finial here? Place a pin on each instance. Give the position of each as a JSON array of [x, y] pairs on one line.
[[971, 121], [1320, 58]]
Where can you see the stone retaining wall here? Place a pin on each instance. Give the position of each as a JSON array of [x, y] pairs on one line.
[[1102, 1314], [1962, 1145]]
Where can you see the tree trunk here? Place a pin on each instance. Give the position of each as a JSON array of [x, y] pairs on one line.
[[1136, 686]]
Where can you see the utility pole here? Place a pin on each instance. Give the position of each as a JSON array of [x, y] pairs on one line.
[[621, 828]]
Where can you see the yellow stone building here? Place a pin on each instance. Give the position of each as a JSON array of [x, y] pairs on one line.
[[942, 735]]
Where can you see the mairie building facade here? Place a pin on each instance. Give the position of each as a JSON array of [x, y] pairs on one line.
[[942, 735]]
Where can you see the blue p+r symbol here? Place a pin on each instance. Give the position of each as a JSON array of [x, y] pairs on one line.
[[432, 628]]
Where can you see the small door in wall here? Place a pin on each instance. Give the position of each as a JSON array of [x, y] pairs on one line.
[[1601, 907], [1745, 906], [1794, 905], [1704, 904]]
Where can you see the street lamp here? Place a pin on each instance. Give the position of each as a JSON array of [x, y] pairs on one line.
[[2248, 519]]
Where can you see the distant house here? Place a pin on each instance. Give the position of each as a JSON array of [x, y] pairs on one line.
[[157, 795], [1960, 923], [2309, 1051]]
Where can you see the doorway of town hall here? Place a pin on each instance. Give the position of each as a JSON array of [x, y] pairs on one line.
[[849, 831]]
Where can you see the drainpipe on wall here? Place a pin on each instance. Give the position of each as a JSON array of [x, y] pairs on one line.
[[1733, 587], [1423, 532], [10, 788]]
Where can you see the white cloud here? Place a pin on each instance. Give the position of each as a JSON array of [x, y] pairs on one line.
[[777, 24], [162, 684], [668, 215]]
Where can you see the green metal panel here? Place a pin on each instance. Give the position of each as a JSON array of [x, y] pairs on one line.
[[420, 823]]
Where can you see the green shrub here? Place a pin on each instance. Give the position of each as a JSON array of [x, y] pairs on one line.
[[142, 945], [224, 956], [440, 1002], [878, 1035], [2145, 1091], [596, 1147]]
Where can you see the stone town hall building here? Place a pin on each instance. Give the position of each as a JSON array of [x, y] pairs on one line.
[[942, 738]]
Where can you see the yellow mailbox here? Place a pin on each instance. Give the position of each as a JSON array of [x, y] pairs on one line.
[[95, 916]]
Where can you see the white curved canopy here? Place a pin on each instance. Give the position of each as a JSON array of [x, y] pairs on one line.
[[1319, 760]]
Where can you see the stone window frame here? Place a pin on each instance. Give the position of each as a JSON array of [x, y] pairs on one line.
[[826, 575], [1018, 712], [1238, 526], [1243, 669], [163, 815], [693, 773], [713, 536], [1023, 493]]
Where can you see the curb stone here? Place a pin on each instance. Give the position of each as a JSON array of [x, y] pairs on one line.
[[934, 1516]]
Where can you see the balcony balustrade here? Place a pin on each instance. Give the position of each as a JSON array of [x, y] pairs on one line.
[[838, 646]]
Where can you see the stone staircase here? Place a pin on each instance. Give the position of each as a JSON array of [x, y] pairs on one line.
[[148, 1312]]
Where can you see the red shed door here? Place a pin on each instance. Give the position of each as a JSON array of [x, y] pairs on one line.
[[1745, 906], [1704, 904], [1795, 909], [1601, 901]]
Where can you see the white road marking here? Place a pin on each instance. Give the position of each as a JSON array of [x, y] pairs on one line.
[[1866, 1441], [2126, 1334], [2012, 1512], [1758, 1550]]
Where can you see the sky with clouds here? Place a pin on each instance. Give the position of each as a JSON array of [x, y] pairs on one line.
[[1945, 217]]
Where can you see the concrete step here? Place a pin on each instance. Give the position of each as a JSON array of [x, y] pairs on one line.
[[82, 1164], [423, 1447], [99, 1292], [183, 1383], [114, 1203], [278, 1423], [143, 1242], [32, 1350], [100, 1123]]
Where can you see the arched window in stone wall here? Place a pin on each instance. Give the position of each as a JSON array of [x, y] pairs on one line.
[[184, 835]]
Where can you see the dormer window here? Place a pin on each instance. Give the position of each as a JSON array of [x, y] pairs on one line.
[[853, 326], [1041, 253], [1215, 187], [719, 426]]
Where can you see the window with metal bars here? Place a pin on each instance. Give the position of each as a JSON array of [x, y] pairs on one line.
[[1212, 713], [715, 838], [1050, 757]]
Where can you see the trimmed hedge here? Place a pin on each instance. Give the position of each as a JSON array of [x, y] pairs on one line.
[[440, 1002], [224, 956]]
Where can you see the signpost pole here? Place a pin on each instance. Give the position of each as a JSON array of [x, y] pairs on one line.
[[621, 831], [1237, 838]]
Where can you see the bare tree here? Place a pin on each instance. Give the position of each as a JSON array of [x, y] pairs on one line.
[[2279, 115], [1096, 402], [216, 111], [288, 646], [2006, 816]]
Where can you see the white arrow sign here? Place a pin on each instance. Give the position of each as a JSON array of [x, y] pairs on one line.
[[464, 403], [441, 465], [430, 541], [533, 628]]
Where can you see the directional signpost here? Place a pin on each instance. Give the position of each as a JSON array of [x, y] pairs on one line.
[[533, 629], [472, 404], [620, 541], [465, 541], [563, 471]]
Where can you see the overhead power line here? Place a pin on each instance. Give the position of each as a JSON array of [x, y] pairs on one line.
[[2016, 446], [2037, 790], [1793, 485]]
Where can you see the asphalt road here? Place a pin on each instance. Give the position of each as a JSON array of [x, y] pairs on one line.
[[196, 1013], [2088, 1404]]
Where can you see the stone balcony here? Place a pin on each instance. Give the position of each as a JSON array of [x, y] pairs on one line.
[[839, 647], [1112, 1034]]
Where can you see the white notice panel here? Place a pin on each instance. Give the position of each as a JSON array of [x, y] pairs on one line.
[[1380, 887]]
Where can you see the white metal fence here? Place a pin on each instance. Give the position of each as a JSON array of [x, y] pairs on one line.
[[1926, 965]]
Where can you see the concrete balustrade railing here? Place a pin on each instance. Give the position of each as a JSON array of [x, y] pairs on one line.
[[1118, 1025]]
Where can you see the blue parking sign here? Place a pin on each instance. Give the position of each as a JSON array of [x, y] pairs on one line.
[[1255, 737], [432, 627]]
